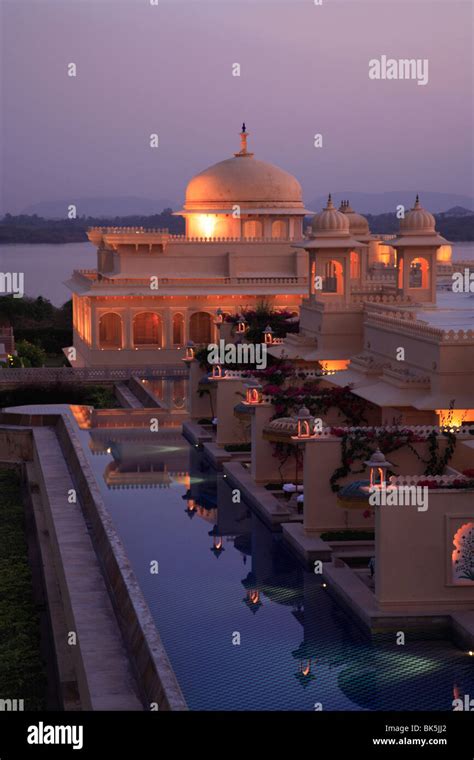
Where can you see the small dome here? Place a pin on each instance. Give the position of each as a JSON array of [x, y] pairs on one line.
[[358, 224], [418, 221], [377, 456], [330, 221]]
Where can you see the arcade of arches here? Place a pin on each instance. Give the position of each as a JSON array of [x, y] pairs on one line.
[[148, 330]]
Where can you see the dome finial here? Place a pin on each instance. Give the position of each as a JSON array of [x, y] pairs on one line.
[[417, 201], [243, 143], [330, 203]]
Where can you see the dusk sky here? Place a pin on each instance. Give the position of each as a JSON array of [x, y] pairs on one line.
[[143, 69]]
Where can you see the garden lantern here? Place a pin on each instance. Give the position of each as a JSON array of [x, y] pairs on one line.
[[241, 324], [304, 421], [217, 372], [378, 467], [253, 394], [189, 354], [268, 335], [219, 317]]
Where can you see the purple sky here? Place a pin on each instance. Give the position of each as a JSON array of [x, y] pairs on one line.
[[167, 69]]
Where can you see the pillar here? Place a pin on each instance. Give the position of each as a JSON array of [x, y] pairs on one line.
[[230, 429]]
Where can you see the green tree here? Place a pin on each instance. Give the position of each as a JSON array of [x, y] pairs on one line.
[[29, 354]]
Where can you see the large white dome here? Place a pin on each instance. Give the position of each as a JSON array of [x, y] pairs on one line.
[[245, 181]]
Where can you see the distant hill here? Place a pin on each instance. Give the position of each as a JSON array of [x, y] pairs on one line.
[[383, 203], [101, 207], [36, 229], [456, 211], [456, 224]]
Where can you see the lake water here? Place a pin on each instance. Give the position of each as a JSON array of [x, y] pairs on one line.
[[46, 267]]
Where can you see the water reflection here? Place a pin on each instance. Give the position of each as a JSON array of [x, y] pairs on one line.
[[298, 646]]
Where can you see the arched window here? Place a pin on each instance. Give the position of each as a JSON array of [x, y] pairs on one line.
[[252, 229], [279, 229], [147, 329], [355, 265], [419, 273], [332, 280], [200, 327], [110, 330], [178, 329]]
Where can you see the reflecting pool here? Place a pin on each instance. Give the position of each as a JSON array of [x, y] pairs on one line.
[[244, 625]]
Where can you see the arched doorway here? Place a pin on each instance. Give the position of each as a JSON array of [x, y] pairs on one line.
[[200, 327], [147, 330], [419, 273], [110, 330], [333, 280]]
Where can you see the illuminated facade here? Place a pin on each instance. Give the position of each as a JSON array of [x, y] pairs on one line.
[[244, 242], [152, 292]]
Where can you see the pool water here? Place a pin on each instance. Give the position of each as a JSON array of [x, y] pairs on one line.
[[244, 625]]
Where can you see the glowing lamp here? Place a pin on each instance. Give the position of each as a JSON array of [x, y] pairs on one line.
[[219, 318], [189, 353], [268, 335], [207, 224], [304, 420], [241, 324], [253, 394], [217, 372], [378, 467]]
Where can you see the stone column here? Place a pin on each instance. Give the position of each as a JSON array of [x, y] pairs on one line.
[[127, 322], [229, 392], [199, 405]]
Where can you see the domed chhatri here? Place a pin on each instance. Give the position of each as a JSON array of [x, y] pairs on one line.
[[358, 224], [246, 181], [418, 221], [330, 222]]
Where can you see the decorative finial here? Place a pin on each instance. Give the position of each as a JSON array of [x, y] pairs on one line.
[[243, 143], [417, 200]]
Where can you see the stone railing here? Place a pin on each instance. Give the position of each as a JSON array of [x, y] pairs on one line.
[[405, 374], [127, 230], [420, 431], [256, 240], [92, 278], [85, 374], [413, 480], [376, 319]]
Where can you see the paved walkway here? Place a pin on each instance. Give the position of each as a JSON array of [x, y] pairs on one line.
[[110, 681]]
